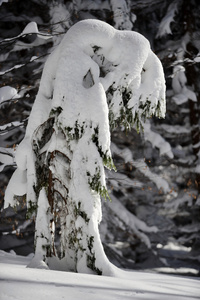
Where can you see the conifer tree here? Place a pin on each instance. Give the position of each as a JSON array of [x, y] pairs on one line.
[[96, 79]]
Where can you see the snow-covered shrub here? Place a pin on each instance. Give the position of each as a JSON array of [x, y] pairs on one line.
[[96, 79]]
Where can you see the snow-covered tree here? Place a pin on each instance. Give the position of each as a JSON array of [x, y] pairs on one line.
[[96, 79], [157, 178]]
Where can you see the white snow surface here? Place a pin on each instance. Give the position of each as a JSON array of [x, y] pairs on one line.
[[21, 283]]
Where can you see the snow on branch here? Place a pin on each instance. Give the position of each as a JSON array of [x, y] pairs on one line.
[[31, 28], [157, 141], [8, 93], [143, 168], [138, 226], [33, 59]]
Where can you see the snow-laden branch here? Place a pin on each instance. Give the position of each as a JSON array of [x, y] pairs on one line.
[[31, 28], [10, 126], [136, 225], [142, 167], [157, 141], [33, 59]]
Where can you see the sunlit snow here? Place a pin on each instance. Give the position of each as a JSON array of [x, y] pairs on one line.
[[21, 283]]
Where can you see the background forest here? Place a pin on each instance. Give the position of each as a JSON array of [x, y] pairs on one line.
[[153, 220]]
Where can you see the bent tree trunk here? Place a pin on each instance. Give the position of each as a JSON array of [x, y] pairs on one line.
[[96, 79]]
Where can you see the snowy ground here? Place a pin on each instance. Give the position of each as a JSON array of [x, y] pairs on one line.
[[21, 283]]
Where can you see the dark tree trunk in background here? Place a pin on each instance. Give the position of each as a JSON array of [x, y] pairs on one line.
[[192, 74]]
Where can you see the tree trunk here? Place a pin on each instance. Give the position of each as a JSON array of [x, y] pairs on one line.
[[192, 78]]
